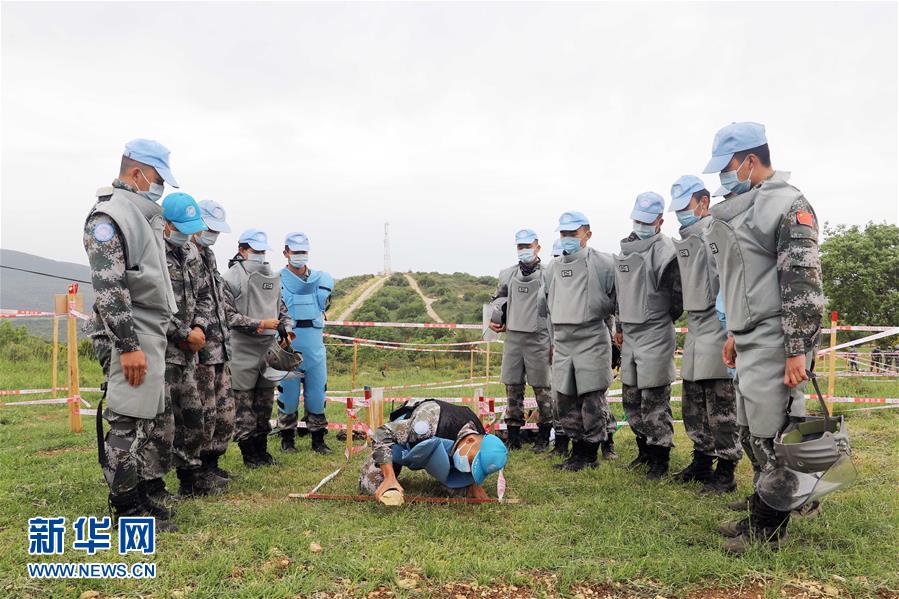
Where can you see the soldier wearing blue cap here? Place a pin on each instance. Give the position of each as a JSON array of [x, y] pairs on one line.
[[445, 440], [580, 290], [256, 313], [526, 351], [123, 238], [649, 301], [213, 370], [709, 403], [765, 241], [307, 295], [186, 337]]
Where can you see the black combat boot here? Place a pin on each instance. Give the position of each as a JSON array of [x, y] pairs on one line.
[[211, 463], [608, 449], [700, 469], [765, 526], [248, 451], [194, 483], [658, 465], [723, 481], [541, 443], [642, 455], [513, 438], [589, 454], [560, 446], [575, 461], [262, 454], [288, 436], [131, 503], [156, 498], [318, 442]]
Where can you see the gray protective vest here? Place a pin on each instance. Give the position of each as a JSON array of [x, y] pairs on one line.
[[699, 279], [527, 342], [152, 300], [580, 290], [743, 239], [257, 294], [647, 356]]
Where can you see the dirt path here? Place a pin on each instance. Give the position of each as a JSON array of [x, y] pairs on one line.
[[428, 301], [373, 287]]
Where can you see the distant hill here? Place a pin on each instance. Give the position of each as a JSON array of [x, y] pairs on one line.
[[29, 291]]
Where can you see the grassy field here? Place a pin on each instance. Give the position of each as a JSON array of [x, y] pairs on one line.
[[601, 533]]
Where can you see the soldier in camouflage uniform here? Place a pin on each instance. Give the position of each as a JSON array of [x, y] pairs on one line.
[[709, 402], [765, 240], [123, 238], [650, 300], [186, 337], [213, 370]]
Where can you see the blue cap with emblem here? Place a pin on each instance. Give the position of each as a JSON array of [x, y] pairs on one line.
[[525, 236], [731, 139], [182, 211], [256, 238], [682, 191], [557, 248], [572, 221], [152, 153], [297, 242], [648, 207], [490, 458], [214, 216]]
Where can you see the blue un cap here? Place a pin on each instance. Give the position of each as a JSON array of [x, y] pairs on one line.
[[182, 211], [731, 139], [572, 221], [256, 238], [214, 216], [491, 458], [152, 153], [683, 189], [648, 207], [297, 242], [525, 236]]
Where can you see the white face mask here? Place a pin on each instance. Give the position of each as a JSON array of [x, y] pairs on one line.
[[207, 238], [178, 238], [257, 258], [154, 193], [298, 260]]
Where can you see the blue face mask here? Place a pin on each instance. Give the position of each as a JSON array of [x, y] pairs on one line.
[[643, 230], [526, 256], [207, 238], [686, 217], [460, 461], [178, 238], [254, 257], [730, 182], [154, 193], [298, 260], [570, 244]]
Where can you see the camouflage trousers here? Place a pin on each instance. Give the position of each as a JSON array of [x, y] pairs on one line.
[[314, 422], [585, 417], [514, 414], [187, 407], [649, 413], [710, 417], [370, 478], [214, 382], [253, 409]]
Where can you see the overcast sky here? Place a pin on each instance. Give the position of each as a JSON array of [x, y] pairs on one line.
[[458, 123]]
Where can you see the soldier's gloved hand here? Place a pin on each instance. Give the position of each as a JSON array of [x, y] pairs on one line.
[[134, 367]]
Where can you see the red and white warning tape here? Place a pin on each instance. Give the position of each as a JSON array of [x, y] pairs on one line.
[[415, 349], [382, 342]]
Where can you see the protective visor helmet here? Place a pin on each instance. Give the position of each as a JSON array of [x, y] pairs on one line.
[[498, 312], [281, 363], [813, 459]]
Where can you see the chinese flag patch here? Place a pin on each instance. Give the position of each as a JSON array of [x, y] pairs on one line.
[[805, 218]]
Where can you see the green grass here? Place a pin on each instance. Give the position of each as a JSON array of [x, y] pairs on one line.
[[606, 526]]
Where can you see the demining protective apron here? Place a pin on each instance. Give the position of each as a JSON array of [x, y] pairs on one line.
[[152, 300], [699, 279], [257, 294], [647, 356], [579, 288], [743, 239], [306, 302], [526, 347]]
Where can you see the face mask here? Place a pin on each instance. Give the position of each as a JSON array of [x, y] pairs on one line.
[[298, 260], [570, 244], [155, 191], [686, 217], [178, 238], [730, 182], [526, 256], [254, 257], [460, 461], [643, 230], [207, 238]]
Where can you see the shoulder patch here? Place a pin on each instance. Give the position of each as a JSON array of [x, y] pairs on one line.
[[103, 232], [805, 218]]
